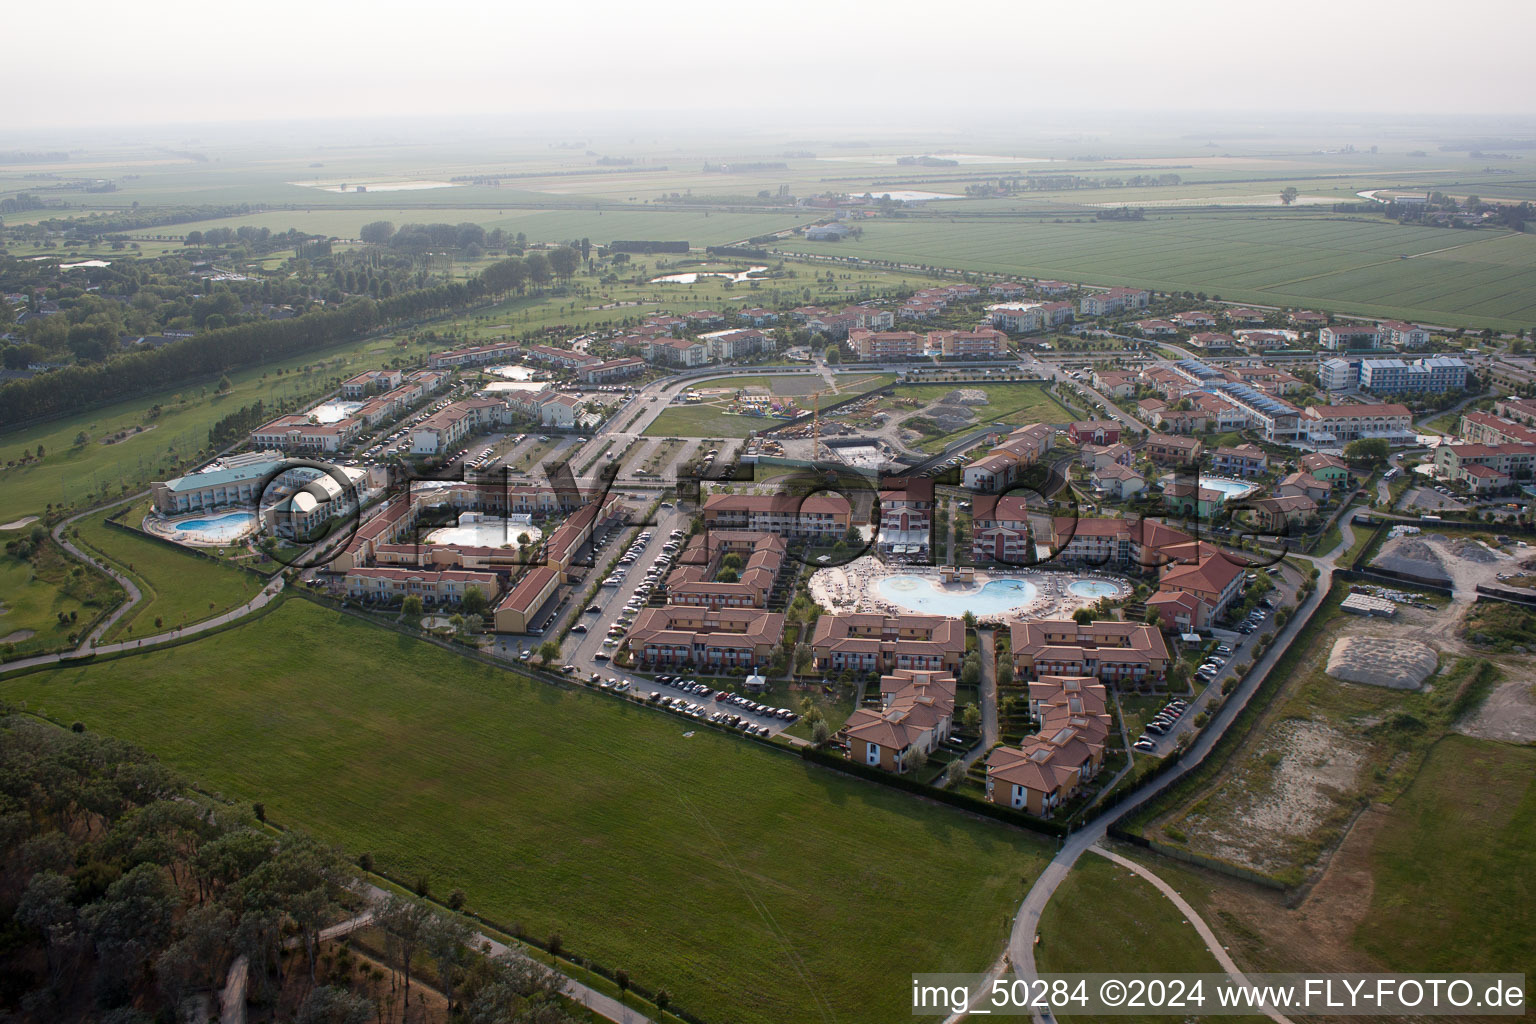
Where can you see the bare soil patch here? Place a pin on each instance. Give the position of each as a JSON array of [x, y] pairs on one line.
[[1294, 784], [1508, 714]]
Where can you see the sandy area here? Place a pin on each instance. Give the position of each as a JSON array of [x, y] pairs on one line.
[[1394, 662], [17, 524]]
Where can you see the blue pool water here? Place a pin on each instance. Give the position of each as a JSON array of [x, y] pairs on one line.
[[1228, 488], [1093, 589], [228, 526], [920, 594]]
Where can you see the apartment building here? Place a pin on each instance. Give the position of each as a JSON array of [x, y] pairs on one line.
[[234, 480], [1487, 428], [1404, 336], [1432, 375], [369, 382], [1048, 768], [695, 579], [1099, 432], [1000, 530], [821, 516], [916, 714], [1116, 300], [518, 609], [882, 345], [906, 519], [444, 429], [612, 370], [1172, 449], [1340, 424], [1110, 651], [859, 642], [1242, 460], [1355, 337], [1005, 464], [296, 432], [684, 636], [982, 344], [1484, 467], [433, 586], [475, 355]]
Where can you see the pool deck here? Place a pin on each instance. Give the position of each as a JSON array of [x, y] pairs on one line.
[[167, 529], [854, 588]]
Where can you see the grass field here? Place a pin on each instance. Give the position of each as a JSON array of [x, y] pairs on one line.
[[706, 421], [753, 886], [178, 587], [1106, 918], [1470, 815], [1295, 257]]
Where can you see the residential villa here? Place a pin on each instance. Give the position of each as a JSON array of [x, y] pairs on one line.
[[861, 642]]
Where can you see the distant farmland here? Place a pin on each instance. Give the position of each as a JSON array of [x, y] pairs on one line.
[[1482, 278]]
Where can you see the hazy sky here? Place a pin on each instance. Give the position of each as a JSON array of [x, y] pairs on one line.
[[155, 61]]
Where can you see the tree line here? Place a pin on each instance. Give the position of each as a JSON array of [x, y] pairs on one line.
[[74, 388]]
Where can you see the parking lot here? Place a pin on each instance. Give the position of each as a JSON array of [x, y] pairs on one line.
[[1234, 646]]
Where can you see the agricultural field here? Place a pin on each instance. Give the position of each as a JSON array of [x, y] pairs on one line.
[[1289, 258], [680, 854], [178, 588]]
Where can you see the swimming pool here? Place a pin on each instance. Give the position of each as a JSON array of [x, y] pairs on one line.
[[218, 529], [1228, 488], [920, 594], [476, 530], [1093, 589]]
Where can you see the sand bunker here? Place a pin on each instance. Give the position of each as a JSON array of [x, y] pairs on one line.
[[1392, 662]]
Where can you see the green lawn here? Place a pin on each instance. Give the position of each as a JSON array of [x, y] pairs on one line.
[[753, 886], [178, 587], [705, 421], [1106, 918], [1454, 862]]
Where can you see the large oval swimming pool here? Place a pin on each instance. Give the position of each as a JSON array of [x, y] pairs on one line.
[[920, 594], [229, 526]]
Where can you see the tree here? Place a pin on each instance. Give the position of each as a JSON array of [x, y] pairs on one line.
[[474, 601], [834, 354], [446, 939], [563, 262], [621, 979], [803, 657], [1367, 452], [1004, 671], [1083, 616], [821, 732], [330, 1004], [549, 651], [224, 384], [1153, 617], [377, 232], [663, 1000], [971, 717], [411, 607], [405, 923], [917, 759], [1288, 195], [970, 669]]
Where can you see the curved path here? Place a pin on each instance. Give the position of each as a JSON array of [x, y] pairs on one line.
[[1223, 958], [89, 645]]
